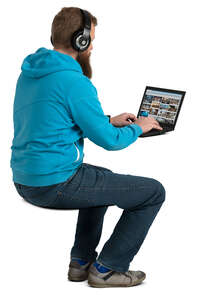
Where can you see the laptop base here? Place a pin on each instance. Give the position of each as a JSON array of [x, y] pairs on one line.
[[155, 132]]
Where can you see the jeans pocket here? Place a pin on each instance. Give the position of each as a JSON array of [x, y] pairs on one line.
[[65, 196], [68, 189]]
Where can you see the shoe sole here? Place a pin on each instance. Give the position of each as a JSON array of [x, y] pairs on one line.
[[76, 279], [97, 285]]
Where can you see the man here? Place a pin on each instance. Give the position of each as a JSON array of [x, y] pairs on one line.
[[56, 106]]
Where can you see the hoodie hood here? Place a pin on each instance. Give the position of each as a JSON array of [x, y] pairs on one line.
[[45, 61]]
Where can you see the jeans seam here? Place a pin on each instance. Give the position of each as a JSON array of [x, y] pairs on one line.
[[130, 187], [86, 188]]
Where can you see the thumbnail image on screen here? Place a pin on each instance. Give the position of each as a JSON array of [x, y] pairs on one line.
[[163, 106]]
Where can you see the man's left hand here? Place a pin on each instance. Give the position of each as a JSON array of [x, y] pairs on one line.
[[123, 120]]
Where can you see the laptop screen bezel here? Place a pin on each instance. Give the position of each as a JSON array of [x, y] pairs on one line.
[[182, 93]]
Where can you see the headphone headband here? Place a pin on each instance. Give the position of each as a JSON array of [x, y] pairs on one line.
[[87, 21]]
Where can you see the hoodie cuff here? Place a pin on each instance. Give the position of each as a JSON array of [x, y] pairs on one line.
[[109, 116], [138, 129]]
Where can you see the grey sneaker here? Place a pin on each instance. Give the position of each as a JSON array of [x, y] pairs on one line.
[[114, 278], [77, 272]]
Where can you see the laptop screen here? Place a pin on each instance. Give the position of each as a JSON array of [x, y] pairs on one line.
[[162, 104]]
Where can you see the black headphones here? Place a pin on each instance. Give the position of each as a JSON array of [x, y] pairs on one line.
[[81, 39]]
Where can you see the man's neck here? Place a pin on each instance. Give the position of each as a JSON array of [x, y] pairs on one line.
[[66, 52]]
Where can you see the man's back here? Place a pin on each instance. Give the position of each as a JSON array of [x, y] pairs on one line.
[[55, 107]]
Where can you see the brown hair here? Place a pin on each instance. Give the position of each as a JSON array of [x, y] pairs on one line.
[[65, 23]]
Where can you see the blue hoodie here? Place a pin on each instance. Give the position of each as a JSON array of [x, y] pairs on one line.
[[55, 107]]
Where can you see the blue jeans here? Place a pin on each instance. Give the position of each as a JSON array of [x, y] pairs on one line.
[[91, 190]]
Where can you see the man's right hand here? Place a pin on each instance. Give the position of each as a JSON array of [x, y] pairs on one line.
[[147, 123]]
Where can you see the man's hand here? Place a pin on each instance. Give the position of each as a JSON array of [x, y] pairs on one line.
[[123, 120], [148, 123]]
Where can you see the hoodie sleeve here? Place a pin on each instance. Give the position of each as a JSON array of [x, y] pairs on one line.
[[88, 114]]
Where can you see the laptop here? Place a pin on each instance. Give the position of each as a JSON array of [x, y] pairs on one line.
[[163, 105]]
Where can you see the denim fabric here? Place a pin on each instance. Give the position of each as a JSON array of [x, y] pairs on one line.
[[91, 190]]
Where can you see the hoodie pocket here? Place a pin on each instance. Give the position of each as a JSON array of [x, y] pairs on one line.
[[78, 152]]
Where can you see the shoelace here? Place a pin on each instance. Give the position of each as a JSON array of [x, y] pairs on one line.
[[127, 273]]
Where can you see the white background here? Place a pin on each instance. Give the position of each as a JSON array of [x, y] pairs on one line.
[[137, 43]]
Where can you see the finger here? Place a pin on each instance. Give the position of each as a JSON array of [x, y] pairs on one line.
[[158, 127], [129, 120], [131, 116], [155, 122]]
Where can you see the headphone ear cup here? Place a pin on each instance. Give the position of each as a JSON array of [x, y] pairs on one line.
[[76, 40]]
